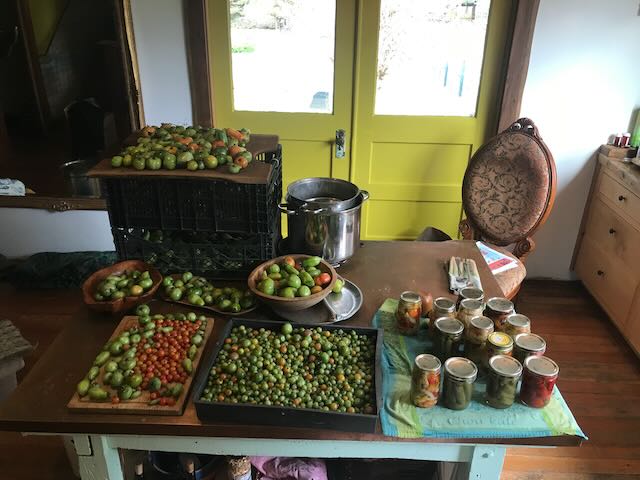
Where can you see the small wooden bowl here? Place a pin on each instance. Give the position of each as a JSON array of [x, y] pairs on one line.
[[291, 304], [121, 304]]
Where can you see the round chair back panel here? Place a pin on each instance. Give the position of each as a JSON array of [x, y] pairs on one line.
[[509, 185]]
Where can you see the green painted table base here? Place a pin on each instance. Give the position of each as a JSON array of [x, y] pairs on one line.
[[99, 458]]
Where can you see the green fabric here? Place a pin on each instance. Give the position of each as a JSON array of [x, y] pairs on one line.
[[56, 270], [400, 418]]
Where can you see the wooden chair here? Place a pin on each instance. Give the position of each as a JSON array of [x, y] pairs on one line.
[[507, 193]]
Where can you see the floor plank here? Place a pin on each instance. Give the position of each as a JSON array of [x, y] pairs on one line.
[[599, 378]]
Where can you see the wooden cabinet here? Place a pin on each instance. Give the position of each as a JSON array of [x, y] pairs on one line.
[[607, 256]]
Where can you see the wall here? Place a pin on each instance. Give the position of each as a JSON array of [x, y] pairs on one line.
[[582, 86], [160, 44], [26, 231]]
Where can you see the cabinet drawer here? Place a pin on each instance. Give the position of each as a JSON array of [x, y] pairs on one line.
[[614, 235], [608, 279], [620, 197]]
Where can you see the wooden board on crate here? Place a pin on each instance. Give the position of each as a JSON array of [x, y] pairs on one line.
[[256, 173], [139, 405]]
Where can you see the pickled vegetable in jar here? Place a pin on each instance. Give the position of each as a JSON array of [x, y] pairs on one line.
[[527, 344], [502, 381], [471, 293], [469, 308], [498, 343], [517, 324], [457, 384], [408, 313], [442, 307], [475, 338], [447, 337], [425, 381], [539, 378], [498, 309]]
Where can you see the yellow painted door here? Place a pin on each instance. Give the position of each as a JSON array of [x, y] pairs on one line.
[[276, 68], [303, 69], [428, 75]]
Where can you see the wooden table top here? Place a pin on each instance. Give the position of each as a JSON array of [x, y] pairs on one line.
[[380, 269]]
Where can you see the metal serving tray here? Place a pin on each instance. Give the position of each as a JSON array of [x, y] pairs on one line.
[[248, 414]]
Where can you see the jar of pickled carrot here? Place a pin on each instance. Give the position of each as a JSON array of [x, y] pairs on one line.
[[409, 313], [425, 381]]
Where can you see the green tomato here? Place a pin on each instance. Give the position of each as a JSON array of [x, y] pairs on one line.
[[126, 160], [294, 281], [233, 168], [116, 161], [192, 165], [210, 162], [288, 292], [138, 163], [153, 163], [303, 291], [337, 287], [169, 161]]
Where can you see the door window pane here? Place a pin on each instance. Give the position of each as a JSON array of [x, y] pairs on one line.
[[430, 56], [283, 55]]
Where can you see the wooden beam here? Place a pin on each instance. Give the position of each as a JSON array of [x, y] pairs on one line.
[[195, 23], [520, 51], [53, 204]]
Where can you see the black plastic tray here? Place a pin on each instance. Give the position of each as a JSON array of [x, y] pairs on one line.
[[249, 414]]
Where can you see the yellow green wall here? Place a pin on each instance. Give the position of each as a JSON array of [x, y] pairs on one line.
[[45, 15]]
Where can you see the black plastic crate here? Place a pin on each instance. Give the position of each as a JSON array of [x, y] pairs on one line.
[[202, 205], [250, 414], [213, 255]]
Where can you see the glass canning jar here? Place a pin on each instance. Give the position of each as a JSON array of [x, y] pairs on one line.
[[502, 381], [516, 324], [425, 380], [409, 313], [457, 386], [498, 309], [527, 344], [539, 378], [447, 337]]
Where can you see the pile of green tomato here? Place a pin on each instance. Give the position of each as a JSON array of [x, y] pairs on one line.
[[295, 367], [200, 292], [193, 148], [290, 280], [127, 284]]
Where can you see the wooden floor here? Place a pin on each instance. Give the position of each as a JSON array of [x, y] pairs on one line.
[[596, 366]]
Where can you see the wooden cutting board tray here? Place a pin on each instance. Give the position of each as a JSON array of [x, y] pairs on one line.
[[139, 405]]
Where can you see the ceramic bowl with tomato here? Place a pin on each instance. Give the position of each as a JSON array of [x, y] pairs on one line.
[[292, 282]]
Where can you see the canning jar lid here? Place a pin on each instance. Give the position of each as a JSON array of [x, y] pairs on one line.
[[410, 297], [461, 368], [482, 323], [472, 293], [519, 320], [505, 365], [543, 366], [500, 305], [499, 339], [444, 303], [530, 342], [428, 362], [449, 325], [471, 304]]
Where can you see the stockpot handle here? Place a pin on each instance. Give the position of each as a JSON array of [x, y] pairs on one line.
[[284, 208], [304, 208], [365, 195]]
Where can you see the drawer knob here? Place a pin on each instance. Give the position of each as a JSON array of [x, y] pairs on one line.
[[612, 231], [600, 273], [621, 198]]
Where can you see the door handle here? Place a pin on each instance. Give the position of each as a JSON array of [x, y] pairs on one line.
[[340, 143], [612, 231]]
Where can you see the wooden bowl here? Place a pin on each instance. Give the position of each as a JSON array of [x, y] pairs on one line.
[[121, 304], [291, 304]]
